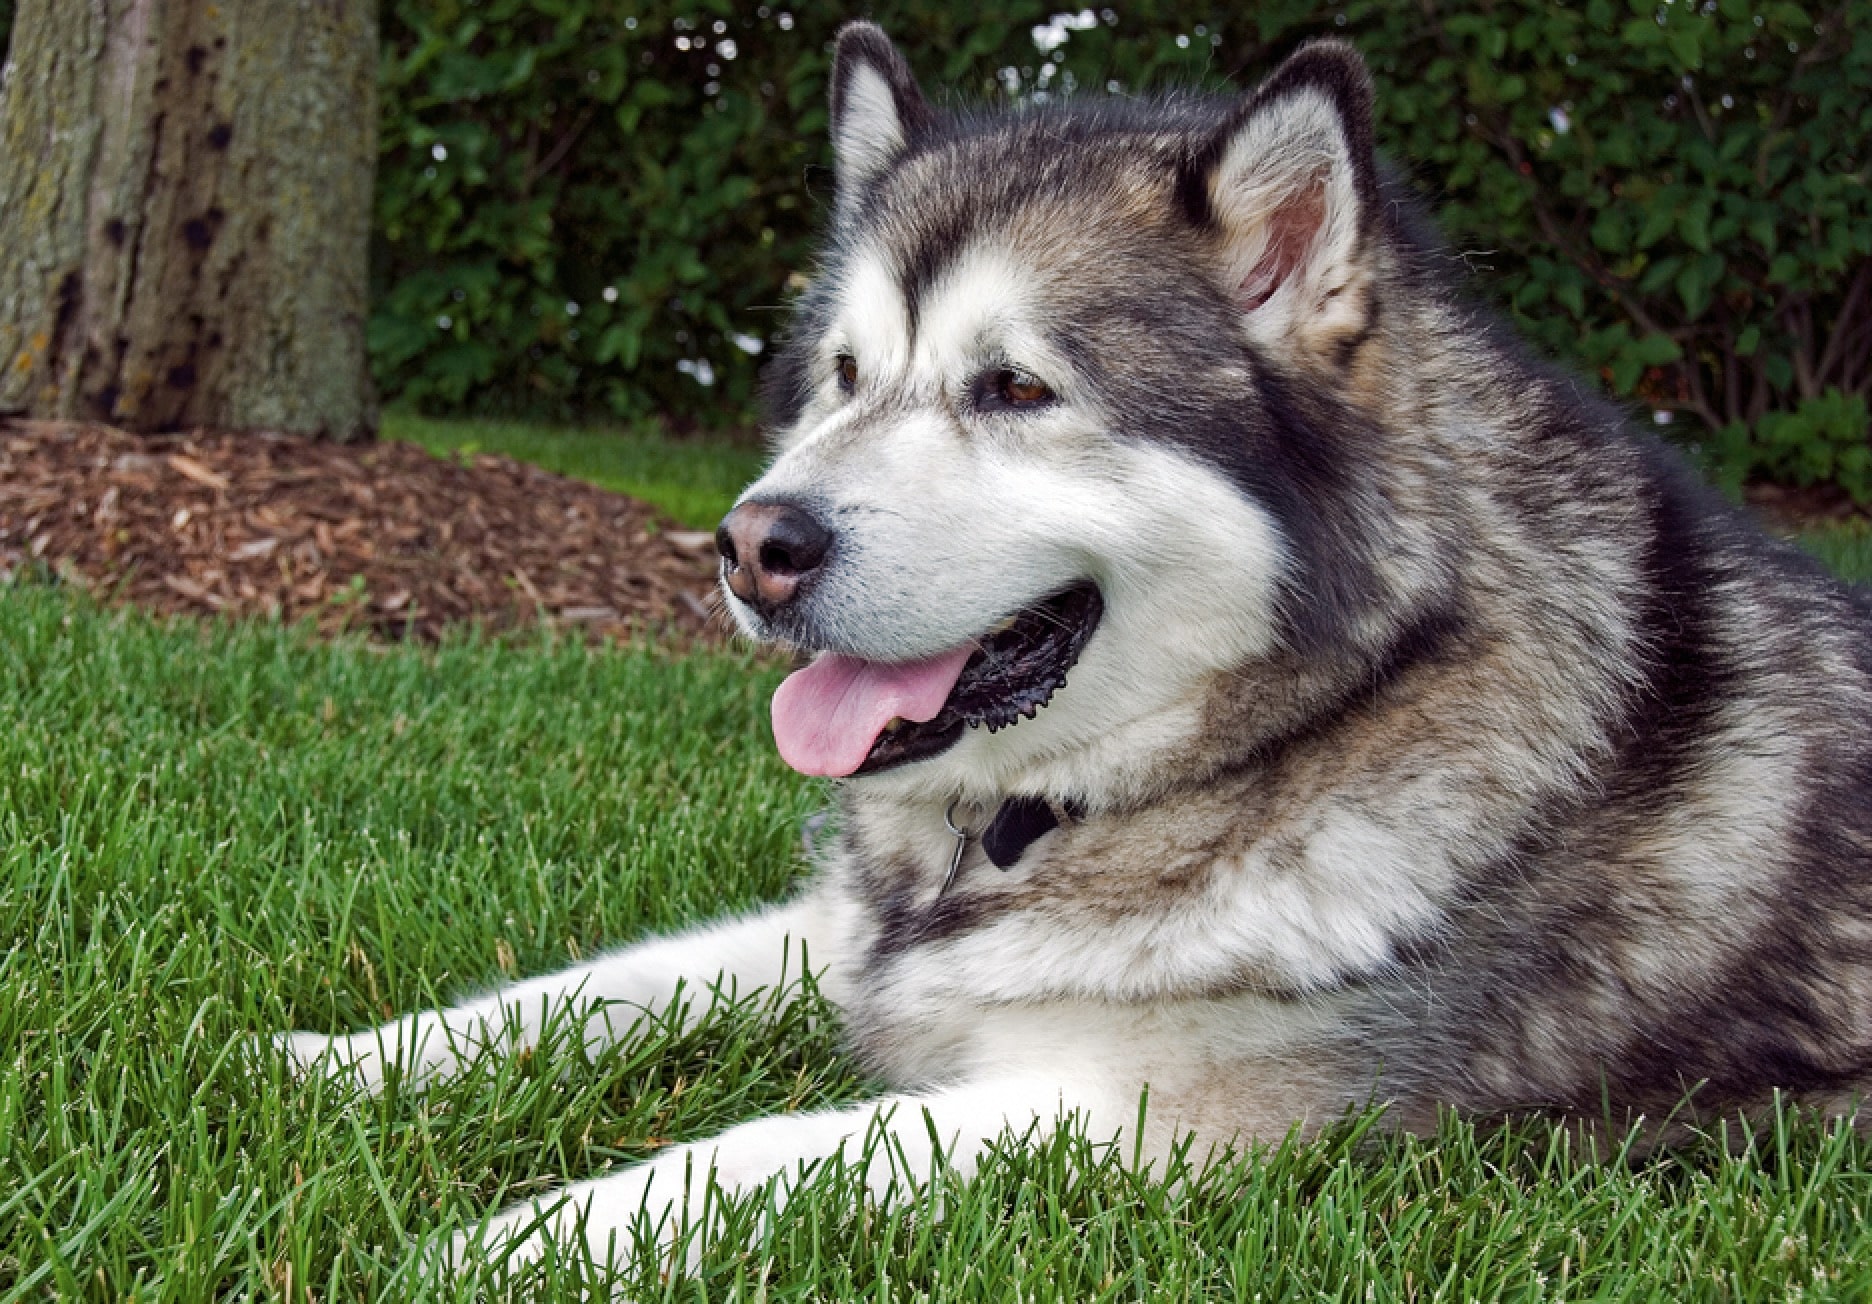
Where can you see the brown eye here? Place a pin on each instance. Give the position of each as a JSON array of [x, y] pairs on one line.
[[1012, 388], [1018, 389], [847, 372]]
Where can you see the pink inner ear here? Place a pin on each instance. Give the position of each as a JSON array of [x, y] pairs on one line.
[[1291, 229]]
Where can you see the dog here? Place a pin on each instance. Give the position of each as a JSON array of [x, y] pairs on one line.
[[1246, 675]]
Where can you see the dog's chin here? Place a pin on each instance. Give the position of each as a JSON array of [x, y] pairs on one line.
[[1016, 668]]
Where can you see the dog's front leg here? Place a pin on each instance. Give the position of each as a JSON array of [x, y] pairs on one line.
[[604, 997], [901, 1141]]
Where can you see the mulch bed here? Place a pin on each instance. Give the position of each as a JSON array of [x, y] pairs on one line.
[[383, 537], [1788, 509]]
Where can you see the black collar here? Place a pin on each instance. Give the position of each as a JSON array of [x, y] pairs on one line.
[[1020, 823]]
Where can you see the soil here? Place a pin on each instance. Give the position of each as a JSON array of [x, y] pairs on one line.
[[1790, 510], [383, 538]]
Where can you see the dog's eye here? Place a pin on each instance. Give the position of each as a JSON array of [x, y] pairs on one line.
[[847, 372], [1010, 389], [1021, 389]]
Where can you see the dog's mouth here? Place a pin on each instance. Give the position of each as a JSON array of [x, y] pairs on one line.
[[842, 716]]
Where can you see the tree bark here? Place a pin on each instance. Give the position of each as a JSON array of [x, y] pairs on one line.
[[185, 207]]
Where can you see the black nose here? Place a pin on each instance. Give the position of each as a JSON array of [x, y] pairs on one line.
[[767, 549]]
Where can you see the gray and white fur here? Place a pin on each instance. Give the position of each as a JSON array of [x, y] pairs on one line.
[[1443, 741]]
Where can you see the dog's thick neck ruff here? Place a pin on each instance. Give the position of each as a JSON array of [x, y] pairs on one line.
[[1016, 825]]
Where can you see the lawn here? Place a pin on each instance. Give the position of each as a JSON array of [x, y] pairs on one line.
[[693, 480], [1845, 549], [211, 832]]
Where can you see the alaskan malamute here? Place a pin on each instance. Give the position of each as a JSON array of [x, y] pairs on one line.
[[1246, 674]]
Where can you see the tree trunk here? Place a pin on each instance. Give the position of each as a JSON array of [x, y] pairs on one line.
[[185, 206]]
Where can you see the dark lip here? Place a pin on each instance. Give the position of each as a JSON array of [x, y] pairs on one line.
[[1011, 676]]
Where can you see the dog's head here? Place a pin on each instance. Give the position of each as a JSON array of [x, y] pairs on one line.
[[1050, 445]]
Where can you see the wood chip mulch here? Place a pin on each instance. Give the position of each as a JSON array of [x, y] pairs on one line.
[[1790, 510], [381, 537]]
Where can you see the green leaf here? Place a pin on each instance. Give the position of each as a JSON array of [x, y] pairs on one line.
[[1611, 231], [1693, 225], [1685, 46], [1626, 369], [1696, 282], [1572, 296], [1656, 350], [1641, 33], [1660, 275], [1660, 217]]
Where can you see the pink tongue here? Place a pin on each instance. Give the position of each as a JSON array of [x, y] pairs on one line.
[[827, 716]]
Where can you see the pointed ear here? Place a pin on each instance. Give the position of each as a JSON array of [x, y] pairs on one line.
[[1290, 187], [877, 109]]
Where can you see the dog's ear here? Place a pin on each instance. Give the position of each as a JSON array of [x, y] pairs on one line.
[[1290, 186], [877, 109]]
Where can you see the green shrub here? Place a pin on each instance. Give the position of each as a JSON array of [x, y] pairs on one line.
[[1821, 441], [597, 204], [601, 206], [1672, 195]]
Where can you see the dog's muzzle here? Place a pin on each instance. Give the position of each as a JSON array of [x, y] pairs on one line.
[[842, 714]]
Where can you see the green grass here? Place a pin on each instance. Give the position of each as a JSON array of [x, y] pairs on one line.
[[208, 833], [1845, 549], [694, 481], [211, 833]]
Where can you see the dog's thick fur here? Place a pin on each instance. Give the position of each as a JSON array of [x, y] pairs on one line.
[[1442, 742]]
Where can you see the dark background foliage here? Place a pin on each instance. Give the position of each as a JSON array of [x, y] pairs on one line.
[[605, 204], [601, 207]]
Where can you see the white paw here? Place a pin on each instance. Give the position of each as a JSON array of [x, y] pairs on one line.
[[519, 1236], [655, 1208], [339, 1058], [418, 1050]]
